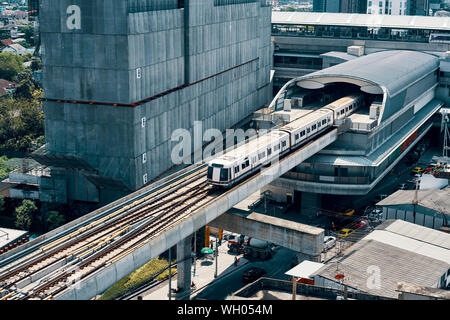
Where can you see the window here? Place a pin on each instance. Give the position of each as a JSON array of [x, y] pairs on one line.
[[236, 169], [269, 151], [296, 136], [302, 134], [380, 4], [210, 172], [370, 3], [314, 127], [224, 174], [283, 143], [350, 108], [261, 155], [144, 158], [144, 178], [380, 11], [369, 11], [400, 6], [390, 4], [143, 121], [308, 130], [318, 124], [247, 163], [324, 121], [138, 73], [243, 166], [390, 11]]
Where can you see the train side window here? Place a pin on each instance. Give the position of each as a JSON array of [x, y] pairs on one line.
[[283, 143], [247, 163], [308, 130], [313, 127], [318, 124], [269, 151], [236, 169], [351, 107], [324, 121], [243, 166], [302, 134], [296, 136]]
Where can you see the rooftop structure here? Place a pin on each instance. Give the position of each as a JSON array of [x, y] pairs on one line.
[[396, 251]]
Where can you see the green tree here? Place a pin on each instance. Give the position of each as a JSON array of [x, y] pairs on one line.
[[29, 34], [24, 215], [10, 65], [4, 168], [54, 220]]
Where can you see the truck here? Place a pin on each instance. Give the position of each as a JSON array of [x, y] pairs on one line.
[[236, 243], [255, 248]]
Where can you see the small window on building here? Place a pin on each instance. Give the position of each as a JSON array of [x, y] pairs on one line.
[[370, 3], [144, 158], [138, 73], [144, 179], [380, 4], [143, 121], [380, 11]]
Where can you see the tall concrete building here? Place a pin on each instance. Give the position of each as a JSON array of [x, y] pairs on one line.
[[120, 76]]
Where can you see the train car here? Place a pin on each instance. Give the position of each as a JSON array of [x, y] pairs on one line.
[[345, 106], [305, 127], [242, 161]]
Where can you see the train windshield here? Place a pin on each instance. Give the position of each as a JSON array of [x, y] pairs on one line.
[[224, 174], [210, 173]]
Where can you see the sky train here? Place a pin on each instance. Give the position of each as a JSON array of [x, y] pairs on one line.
[[233, 166]]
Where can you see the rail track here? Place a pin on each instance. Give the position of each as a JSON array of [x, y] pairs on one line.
[[75, 256]]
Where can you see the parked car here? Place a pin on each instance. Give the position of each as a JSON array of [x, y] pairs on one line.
[[417, 170], [253, 274], [344, 232], [329, 242], [376, 214], [360, 223]]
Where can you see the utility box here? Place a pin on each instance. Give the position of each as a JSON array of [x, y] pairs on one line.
[[355, 50]]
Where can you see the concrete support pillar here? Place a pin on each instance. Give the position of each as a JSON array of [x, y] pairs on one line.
[[184, 262]]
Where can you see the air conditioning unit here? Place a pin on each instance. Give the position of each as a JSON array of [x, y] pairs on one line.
[[355, 50]]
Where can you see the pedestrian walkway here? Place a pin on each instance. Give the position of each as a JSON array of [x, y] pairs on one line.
[[203, 272]]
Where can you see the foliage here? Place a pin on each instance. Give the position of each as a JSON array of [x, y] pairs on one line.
[[36, 65], [138, 277], [54, 220], [10, 65], [21, 122], [4, 168], [24, 214], [29, 34]]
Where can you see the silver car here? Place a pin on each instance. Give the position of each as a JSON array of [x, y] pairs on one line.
[[329, 242]]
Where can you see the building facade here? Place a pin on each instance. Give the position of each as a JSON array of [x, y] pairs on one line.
[[120, 77]]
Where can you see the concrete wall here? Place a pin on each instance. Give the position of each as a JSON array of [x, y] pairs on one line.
[[295, 236], [128, 51]]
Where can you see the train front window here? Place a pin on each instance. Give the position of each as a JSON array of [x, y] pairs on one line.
[[224, 174], [210, 172]]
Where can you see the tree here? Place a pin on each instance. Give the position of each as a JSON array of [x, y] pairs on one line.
[[10, 65], [54, 220], [24, 215], [4, 168]]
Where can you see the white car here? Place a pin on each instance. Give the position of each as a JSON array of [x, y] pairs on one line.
[[329, 242], [376, 214]]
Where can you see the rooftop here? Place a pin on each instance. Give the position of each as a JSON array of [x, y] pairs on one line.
[[401, 251], [362, 20], [438, 200]]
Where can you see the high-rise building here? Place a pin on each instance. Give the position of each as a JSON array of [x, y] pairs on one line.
[[120, 76], [398, 7], [342, 6]]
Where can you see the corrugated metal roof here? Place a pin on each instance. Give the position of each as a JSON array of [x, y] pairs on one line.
[[400, 251], [392, 69], [361, 20], [304, 269], [438, 200]]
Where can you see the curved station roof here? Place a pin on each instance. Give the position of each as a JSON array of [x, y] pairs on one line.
[[386, 71]]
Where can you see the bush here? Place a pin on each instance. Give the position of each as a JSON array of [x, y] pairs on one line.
[[137, 278], [24, 215]]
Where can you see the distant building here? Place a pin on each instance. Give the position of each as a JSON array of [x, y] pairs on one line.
[[6, 87], [16, 49], [342, 6], [398, 7]]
